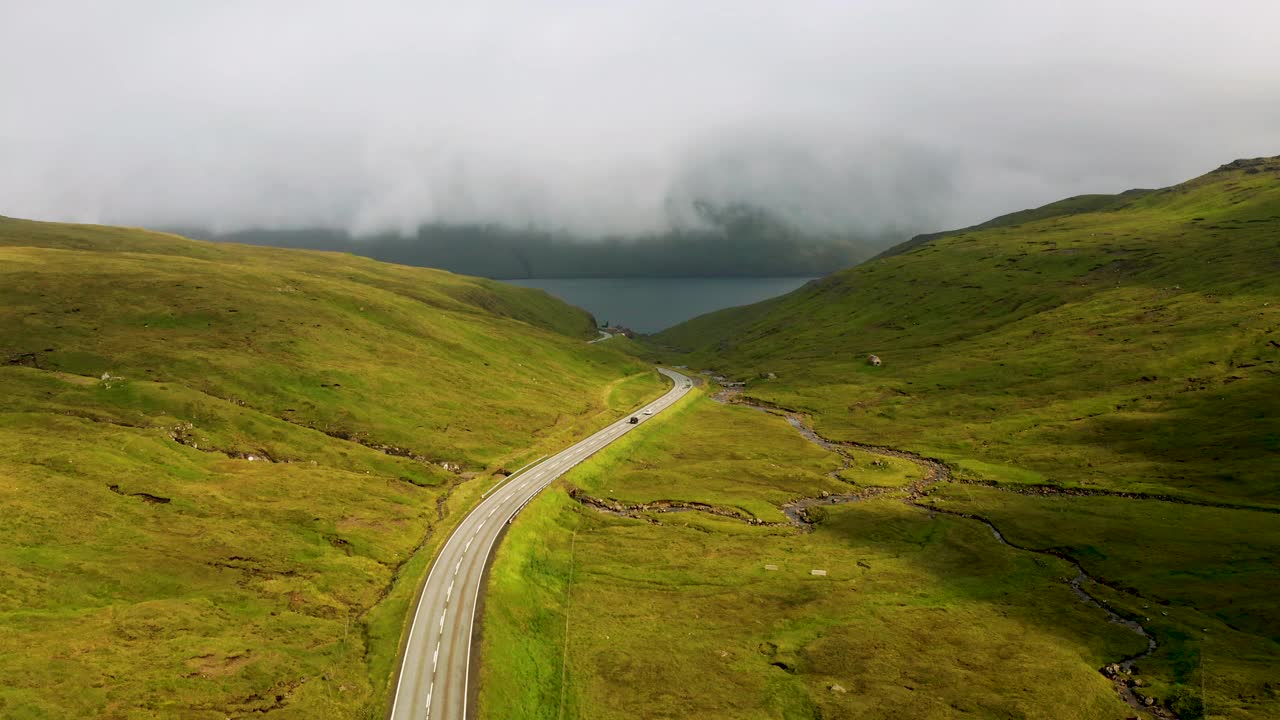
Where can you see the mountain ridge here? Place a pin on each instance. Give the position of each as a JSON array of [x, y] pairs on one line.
[[735, 240]]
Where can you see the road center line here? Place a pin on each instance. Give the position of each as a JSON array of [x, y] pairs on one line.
[[540, 474]]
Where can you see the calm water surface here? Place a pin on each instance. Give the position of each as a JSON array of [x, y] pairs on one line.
[[648, 305]]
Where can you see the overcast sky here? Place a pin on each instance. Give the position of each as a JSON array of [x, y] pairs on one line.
[[612, 116]]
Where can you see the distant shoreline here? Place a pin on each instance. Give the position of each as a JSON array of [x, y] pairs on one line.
[[652, 304]]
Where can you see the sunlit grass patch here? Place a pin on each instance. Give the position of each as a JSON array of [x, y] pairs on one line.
[[870, 469]]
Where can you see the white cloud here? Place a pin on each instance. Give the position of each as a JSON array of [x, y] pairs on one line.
[[610, 117]]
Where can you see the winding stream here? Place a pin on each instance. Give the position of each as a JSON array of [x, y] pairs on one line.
[[1119, 672]]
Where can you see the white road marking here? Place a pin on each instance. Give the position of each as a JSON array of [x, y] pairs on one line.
[[442, 620], [539, 477]]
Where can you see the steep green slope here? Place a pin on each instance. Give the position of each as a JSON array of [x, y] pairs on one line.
[[1133, 349], [1069, 206], [1104, 385], [224, 468]]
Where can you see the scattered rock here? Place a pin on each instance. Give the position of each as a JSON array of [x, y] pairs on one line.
[[837, 688], [874, 360], [826, 494]]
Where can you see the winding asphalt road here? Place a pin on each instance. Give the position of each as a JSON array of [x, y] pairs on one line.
[[434, 673]]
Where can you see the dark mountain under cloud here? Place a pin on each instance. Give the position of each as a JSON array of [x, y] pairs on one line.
[[738, 241]]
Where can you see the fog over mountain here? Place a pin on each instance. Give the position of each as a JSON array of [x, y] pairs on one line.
[[838, 119]]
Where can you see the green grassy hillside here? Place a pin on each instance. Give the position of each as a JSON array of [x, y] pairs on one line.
[[1135, 348], [1102, 379], [225, 468], [1069, 206]]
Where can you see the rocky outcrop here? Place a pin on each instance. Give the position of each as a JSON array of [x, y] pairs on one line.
[[185, 434]]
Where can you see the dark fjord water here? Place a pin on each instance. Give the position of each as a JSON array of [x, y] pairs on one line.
[[648, 305]]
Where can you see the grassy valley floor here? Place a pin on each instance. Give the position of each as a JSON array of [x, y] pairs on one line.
[[693, 614]]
